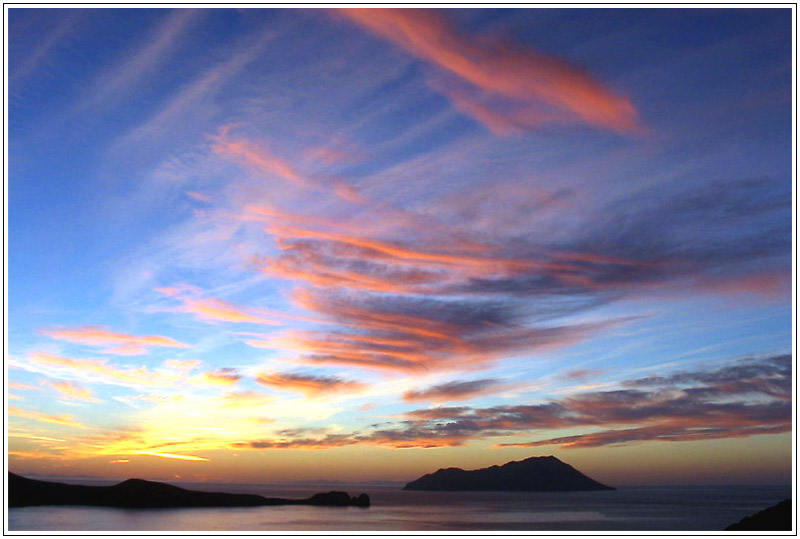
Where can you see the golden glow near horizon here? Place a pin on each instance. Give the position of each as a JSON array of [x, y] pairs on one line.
[[258, 245]]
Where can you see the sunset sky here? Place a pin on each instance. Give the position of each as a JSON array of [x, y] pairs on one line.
[[269, 245]]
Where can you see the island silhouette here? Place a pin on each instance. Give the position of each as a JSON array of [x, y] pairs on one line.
[[544, 474], [138, 493]]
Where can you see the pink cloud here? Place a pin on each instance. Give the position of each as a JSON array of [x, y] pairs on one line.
[[216, 310], [581, 374], [530, 79], [256, 156], [767, 285], [259, 158]]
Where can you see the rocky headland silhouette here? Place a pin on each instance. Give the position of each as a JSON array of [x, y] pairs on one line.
[[138, 493], [544, 474], [775, 518]]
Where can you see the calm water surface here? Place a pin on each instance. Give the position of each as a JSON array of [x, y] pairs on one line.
[[639, 508]]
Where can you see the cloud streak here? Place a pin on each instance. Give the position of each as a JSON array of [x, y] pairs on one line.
[[120, 78], [99, 370], [62, 419], [455, 391], [518, 74], [258, 158], [216, 310], [414, 335], [74, 391], [221, 377], [746, 398], [117, 343], [309, 385]]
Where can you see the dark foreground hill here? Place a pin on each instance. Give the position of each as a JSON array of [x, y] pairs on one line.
[[138, 493], [546, 474], [775, 518]]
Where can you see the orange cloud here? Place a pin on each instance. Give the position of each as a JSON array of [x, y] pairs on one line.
[[221, 377], [216, 310], [50, 455], [307, 384], [74, 391], [332, 440], [399, 252], [170, 456], [66, 420], [505, 70], [121, 343]]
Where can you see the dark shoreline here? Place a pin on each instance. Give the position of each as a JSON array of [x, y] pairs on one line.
[[138, 493]]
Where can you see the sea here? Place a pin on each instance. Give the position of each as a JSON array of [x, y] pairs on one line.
[[653, 509]]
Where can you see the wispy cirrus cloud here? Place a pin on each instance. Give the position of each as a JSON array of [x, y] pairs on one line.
[[216, 310], [193, 95], [581, 374], [98, 370], [388, 291], [117, 343], [260, 159], [172, 374], [22, 387], [542, 88], [131, 70], [200, 197], [59, 419], [36, 55]]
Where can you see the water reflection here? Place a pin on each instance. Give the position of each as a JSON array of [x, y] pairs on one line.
[[395, 510]]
